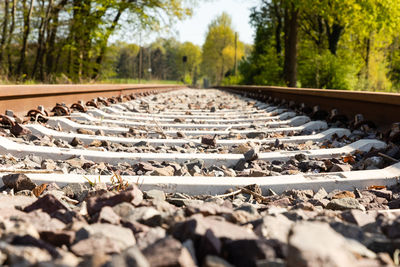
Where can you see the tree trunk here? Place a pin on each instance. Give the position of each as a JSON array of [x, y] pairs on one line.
[[334, 34], [100, 57], [367, 53], [291, 32], [75, 36], [10, 34], [41, 42], [4, 32], [278, 30], [51, 36], [27, 19]]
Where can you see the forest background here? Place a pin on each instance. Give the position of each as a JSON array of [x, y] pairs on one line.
[[335, 44]]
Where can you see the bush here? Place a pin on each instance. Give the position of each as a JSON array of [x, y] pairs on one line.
[[232, 80], [327, 71], [262, 69]]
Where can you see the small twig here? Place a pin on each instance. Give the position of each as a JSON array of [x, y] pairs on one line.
[[388, 157], [256, 195], [159, 128], [228, 194]]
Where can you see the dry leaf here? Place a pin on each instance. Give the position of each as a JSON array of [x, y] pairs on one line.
[[344, 194], [349, 159], [377, 187], [38, 190]]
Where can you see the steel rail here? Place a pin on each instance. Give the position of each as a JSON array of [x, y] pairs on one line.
[[21, 98], [381, 108]]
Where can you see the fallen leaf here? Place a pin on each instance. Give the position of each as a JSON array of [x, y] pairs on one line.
[[377, 187], [38, 190], [349, 159], [344, 194]]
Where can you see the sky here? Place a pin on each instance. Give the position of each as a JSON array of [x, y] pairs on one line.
[[195, 28]]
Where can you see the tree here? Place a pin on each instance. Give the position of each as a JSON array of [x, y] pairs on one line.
[[72, 36], [4, 31], [27, 11], [219, 49], [291, 27], [192, 53], [330, 43]]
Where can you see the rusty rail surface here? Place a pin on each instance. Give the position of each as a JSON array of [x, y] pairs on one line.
[[381, 108], [21, 98]]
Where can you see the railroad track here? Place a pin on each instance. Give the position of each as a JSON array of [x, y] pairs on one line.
[[204, 144]]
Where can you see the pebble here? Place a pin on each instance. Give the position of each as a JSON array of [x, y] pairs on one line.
[[155, 194], [345, 204], [18, 182]]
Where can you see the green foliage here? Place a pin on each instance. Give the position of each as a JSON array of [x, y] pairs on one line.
[[324, 70], [341, 45], [394, 66], [232, 80], [187, 79], [163, 57], [45, 39], [262, 69], [188, 69], [219, 49]]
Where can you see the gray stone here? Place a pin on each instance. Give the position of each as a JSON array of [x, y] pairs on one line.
[[197, 225], [76, 142], [85, 131], [215, 261], [321, 194], [358, 217], [345, 204], [123, 209], [47, 203], [107, 215], [146, 215], [168, 252], [248, 251], [301, 157], [18, 182], [120, 237], [194, 162], [206, 209], [248, 208], [179, 202], [48, 164], [383, 193], [252, 154], [146, 238], [155, 194], [316, 244], [77, 191], [96, 245], [166, 171], [374, 163], [131, 257], [341, 168], [133, 195], [23, 255], [274, 227]]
